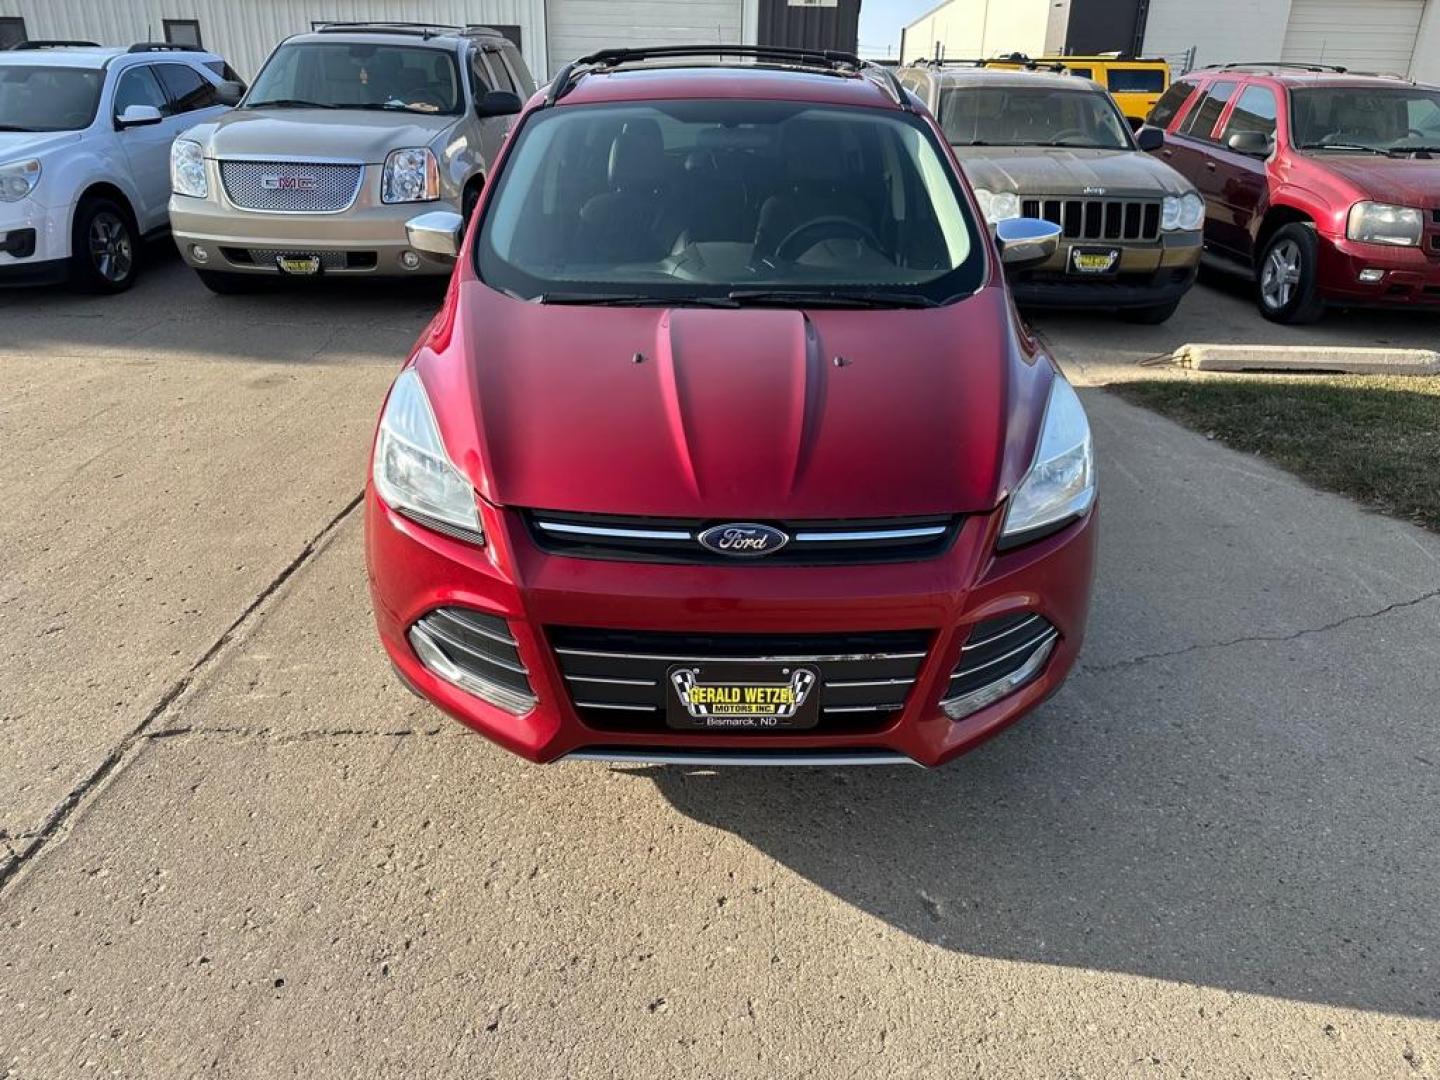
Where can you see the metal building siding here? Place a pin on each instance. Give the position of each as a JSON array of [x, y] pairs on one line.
[[1376, 35], [244, 31], [577, 27]]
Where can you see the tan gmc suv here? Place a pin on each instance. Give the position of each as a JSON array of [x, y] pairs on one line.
[[345, 135]]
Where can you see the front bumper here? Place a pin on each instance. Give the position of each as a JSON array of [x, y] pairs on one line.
[[368, 238], [34, 242], [414, 571], [1147, 275], [1410, 275]]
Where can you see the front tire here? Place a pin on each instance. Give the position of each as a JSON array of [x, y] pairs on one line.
[[104, 248], [1286, 276], [1153, 315]]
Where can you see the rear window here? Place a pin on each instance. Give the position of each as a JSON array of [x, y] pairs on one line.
[[1170, 104], [1202, 119], [1135, 80]]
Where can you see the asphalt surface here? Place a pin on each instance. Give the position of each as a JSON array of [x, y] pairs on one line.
[[235, 847]]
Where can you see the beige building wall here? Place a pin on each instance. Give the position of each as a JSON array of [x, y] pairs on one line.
[[979, 28]]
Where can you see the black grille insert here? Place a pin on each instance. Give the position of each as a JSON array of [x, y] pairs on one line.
[[618, 679], [996, 650], [1098, 219], [675, 540]]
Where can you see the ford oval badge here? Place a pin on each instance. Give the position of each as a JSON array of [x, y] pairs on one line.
[[743, 539]]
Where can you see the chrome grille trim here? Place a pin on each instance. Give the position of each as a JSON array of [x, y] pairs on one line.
[[836, 658], [624, 755], [469, 650], [337, 185], [970, 646], [1033, 643]]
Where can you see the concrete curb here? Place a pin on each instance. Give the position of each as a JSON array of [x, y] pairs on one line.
[[1315, 358]]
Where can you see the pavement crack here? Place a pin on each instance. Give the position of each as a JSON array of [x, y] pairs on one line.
[[283, 737], [1259, 639], [61, 814]]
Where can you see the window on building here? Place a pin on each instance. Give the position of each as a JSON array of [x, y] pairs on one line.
[[187, 87], [1170, 104], [183, 32], [1202, 119], [1254, 111], [511, 32], [12, 32]]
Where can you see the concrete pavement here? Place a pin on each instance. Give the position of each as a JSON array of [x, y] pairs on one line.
[[1211, 855]]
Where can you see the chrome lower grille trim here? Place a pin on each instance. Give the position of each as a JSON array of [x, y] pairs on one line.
[[791, 759]]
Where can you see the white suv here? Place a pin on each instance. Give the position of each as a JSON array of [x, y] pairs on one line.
[[85, 137]]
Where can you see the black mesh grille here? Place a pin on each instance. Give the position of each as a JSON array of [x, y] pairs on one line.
[[674, 540], [479, 644], [997, 648], [1098, 219], [618, 679]]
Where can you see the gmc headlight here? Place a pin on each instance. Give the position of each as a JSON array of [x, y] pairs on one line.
[[998, 205], [1381, 223], [18, 179], [1060, 486], [410, 176], [1182, 213], [412, 472], [187, 169]]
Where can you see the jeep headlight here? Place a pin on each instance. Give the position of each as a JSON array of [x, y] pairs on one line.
[[187, 169], [1060, 484], [998, 205], [18, 179], [1182, 213], [1381, 223], [412, 472], [410, 176]]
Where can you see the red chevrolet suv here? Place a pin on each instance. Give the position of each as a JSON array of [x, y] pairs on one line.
[[1324, 186], [727, 443]]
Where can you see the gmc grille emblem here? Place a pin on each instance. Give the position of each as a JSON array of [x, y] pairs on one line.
[[289, 183], [743, 539]]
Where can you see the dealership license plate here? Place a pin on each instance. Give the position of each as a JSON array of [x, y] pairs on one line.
[[1094, 260], [298, 264], [718, 696]]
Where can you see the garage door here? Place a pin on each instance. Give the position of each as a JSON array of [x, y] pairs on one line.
[[1363, 35], [577, 27]]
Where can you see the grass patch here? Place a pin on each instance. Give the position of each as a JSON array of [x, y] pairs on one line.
[[1373, 438]]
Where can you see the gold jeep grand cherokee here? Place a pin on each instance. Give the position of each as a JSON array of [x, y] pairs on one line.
[[1055, 146], [345, 135]]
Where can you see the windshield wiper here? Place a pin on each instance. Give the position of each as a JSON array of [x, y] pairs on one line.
[[16, 127], [289, 103], [386, 106], [1344, 146], [831, 298], [631, 300]]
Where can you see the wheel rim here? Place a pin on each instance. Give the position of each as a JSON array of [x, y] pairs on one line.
[[1280, 278], [111, 250]]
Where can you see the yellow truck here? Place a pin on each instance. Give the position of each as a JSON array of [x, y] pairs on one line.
[[1135, 83]]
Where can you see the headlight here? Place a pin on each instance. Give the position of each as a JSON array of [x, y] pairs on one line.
[[410, 176], [412, 472], [998, 205], [1060, 485], [1182, 213], [187, 169], [1380, 223], [18, 179]]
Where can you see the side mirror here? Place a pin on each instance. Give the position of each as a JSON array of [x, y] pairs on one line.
[[437, 234], [498, 103], [1149, 139], [230, 92], [1026, 242], [1254, 143], [138, 116]]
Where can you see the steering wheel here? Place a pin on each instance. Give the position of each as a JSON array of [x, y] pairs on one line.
[[802, 238], [1067, 134]]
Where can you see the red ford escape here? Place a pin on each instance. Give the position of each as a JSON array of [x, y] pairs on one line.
[[1321, 185], [727, 444]]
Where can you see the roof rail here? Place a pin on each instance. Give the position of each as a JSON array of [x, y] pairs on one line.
[[821, 59], [480, 29], [1271, 65], [1017, 60], [36, 44], [415, 29], [162, 46]]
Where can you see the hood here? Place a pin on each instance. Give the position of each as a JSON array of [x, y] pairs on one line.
[[1038, 170], [1408, 181], [730, 413], [321, 133], [19, 145]]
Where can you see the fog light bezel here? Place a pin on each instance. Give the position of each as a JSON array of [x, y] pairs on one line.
[[1371, 275]]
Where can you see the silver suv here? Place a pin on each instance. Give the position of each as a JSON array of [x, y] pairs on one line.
[[344, 134]]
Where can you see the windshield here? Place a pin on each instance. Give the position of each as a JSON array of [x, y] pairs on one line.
[[358, 76], [741, 201], [47, 98], [1031, 116], [1379, 118]]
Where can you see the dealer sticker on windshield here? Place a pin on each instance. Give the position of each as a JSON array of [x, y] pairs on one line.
[[1094, 260], [743, 697]]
